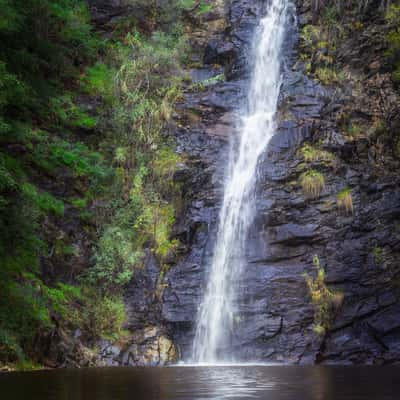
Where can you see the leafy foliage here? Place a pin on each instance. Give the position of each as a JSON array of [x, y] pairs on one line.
[[45, 201], [102, 316], [42, 41], [98, 81], [82, 135], [147, 84], [65, 111], [115, 259]]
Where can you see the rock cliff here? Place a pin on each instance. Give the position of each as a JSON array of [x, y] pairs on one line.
[[358, 244]]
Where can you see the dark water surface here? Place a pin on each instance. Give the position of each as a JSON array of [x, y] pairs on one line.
[[195, 383]]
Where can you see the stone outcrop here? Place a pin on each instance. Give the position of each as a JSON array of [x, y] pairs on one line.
[[148, 346]]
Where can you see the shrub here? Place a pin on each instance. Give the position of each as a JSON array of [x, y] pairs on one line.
[[102, 316], [24, 313], [98, 80], [312, 182], [67, 112], [45, 201], [82, 161], [168, 11], [43, 42], [155, 57], [10, 349], [116, 258], [318, 43], [148, 83], [61, 299]]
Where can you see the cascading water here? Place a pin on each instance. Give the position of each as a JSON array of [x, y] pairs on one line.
[[217, 312]]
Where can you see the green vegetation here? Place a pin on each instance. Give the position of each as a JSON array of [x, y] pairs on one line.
[[102, 316], [111, 163], [378, 254], [354, 130], [326, 50], [393, 39], [326, 75], [44, 201], [203, 85], [332, 22], [313, 154], [345, 201], [143, 208], [44, 47], [318, 51], [313, 183], [323, 298]]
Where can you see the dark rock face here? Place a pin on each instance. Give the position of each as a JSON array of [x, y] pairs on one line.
[[273, 302], [360, 251]]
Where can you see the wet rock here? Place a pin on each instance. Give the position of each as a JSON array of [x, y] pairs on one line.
[[142, 304], [109, 352], [149, 347], [359, 250], [219, 52], [59, 348], [293, 234]]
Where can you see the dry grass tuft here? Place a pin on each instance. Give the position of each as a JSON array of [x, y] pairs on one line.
[[345, 201], [313, 183]]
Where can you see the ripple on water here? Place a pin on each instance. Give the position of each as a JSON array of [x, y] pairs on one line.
[[205, 383]]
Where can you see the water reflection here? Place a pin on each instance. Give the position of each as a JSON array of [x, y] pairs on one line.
[[205, 383], [229, 382], [322, 383]]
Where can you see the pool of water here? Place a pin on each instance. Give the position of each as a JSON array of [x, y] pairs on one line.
[[206, 382]]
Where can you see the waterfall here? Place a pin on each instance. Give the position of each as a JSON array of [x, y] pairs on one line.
[[216, 317]]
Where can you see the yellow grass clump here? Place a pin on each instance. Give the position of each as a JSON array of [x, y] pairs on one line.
[[313, 183]]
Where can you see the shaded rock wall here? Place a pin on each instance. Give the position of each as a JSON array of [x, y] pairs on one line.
[[360, 251]]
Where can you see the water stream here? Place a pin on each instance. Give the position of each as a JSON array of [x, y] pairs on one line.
[[217, 312]]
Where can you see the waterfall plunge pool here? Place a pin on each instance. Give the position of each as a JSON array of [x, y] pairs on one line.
[[205, 382]]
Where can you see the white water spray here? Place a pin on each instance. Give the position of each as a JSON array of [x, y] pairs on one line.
[[216, 316]]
